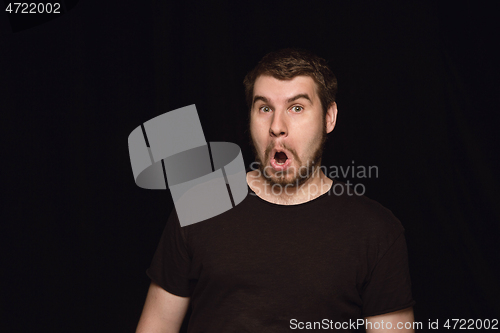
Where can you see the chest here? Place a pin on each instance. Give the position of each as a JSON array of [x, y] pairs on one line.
[[301, 258]]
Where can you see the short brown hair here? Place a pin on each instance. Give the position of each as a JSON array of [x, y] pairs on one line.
[[288, 63]]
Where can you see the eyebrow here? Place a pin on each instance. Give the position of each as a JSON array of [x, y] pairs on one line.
[[296, 97], [291, 99], [260, 98]]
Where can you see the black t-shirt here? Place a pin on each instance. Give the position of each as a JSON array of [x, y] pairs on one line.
[[264, 267]]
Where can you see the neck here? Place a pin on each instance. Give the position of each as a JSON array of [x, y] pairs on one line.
[[315, 186]]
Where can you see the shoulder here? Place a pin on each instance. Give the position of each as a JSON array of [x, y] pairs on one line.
[[366, 215]]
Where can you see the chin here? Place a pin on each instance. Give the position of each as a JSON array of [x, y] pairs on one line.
[[285, 180]]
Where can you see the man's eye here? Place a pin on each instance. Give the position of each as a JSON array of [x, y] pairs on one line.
[[265, 109], [297, 108]]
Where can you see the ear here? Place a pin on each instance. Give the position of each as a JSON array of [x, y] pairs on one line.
[[331, 117]]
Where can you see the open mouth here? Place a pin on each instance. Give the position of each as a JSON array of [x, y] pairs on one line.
[[280, 157], [281, 160]]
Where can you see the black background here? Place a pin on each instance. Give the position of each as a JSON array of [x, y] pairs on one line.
[[418, 97]]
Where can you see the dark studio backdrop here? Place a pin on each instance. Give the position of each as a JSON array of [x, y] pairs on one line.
[[418, 97]]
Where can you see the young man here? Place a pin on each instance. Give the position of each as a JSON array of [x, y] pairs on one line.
[[299, 252]]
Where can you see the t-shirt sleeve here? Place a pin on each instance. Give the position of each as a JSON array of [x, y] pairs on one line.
[[389, 286], [171, 261]]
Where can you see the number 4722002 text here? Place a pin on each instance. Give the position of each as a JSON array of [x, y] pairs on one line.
[[471, 324], [33, 8]]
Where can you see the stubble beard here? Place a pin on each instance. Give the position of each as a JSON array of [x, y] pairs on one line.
[[300, 175]]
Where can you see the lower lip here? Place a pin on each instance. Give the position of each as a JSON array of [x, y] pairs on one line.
[[280, 167]]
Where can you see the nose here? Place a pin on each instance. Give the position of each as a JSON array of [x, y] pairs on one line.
[[278, 125]]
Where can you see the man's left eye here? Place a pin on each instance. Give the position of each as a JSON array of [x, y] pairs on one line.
[[297, 108]]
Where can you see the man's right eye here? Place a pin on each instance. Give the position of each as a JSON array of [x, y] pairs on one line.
[[265, 109]]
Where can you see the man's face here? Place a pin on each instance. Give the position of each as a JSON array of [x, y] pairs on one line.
[[287, 117]]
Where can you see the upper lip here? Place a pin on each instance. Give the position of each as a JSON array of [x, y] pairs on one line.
[[276, 150]]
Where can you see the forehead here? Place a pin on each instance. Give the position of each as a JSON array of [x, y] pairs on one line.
[[273, 88]]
